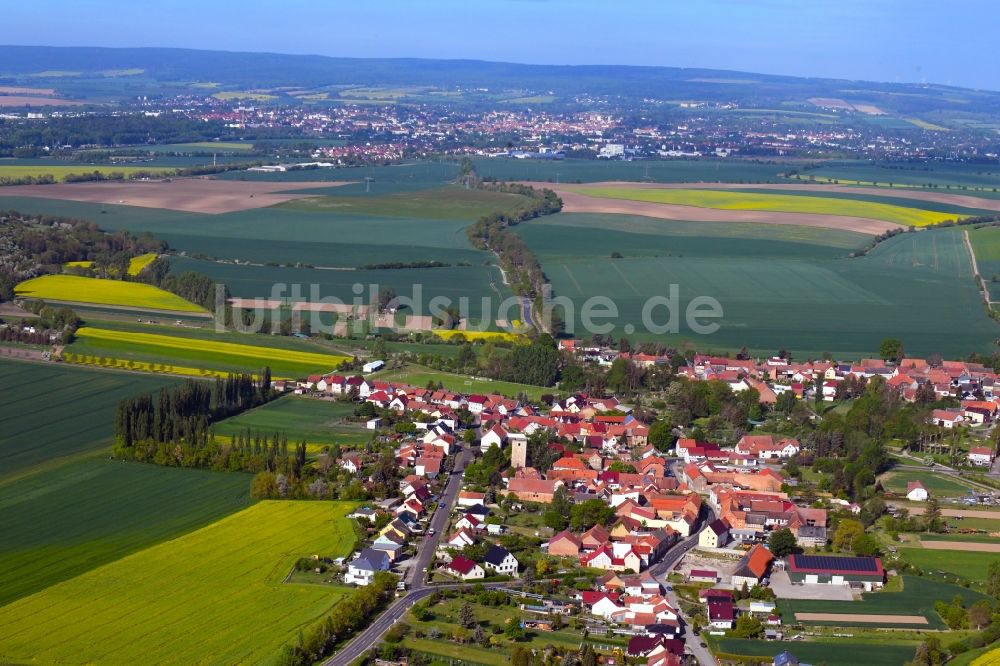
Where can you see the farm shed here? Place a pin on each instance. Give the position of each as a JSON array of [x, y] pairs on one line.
[[864, 572]]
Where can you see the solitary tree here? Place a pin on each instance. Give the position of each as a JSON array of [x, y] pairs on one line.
[[891, 349], [782, 542], [465, 616]]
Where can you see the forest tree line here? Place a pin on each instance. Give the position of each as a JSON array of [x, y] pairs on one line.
[[147, 422], [491, 232]]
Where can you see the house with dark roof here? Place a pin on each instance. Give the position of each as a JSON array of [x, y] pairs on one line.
[[499, 560], [362, 569], [863, 572], [715, 534], [721, 613]]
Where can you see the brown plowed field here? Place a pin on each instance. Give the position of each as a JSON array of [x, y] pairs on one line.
[[192, 195], [856, 617], [966, 546]]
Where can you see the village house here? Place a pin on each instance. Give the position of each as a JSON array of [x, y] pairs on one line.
[[500, 561], [753, 568], [464, 568], [715, 534], [362, 569], [915, 491], [981, 455]]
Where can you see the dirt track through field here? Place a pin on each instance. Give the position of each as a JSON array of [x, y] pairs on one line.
[[850, 618], [963, 200], [965, 546], [192, 195], [575, 202]]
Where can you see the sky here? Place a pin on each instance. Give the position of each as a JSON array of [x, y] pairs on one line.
[[879, 40]]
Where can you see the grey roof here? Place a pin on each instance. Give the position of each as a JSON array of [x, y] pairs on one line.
[[370, 559], [496, 555], [812, 531]]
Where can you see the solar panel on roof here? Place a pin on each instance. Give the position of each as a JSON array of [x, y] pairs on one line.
[[828, 562]]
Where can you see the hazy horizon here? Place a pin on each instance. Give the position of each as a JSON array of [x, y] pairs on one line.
[[889, 41]]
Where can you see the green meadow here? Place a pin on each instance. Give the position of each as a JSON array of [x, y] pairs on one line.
[[65, 520], [318, 422], [777, 287], [936, 484], [916, 598], [53, 411]]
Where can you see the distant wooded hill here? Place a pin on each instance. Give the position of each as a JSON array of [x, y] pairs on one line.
[[93, 71]]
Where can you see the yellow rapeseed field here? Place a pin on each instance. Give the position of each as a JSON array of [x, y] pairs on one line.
[[784, 203], [138, 264], [213, 596], [79, 289], [140, 366], [60, 171], [263, 355], [79, 264], [472, 336]]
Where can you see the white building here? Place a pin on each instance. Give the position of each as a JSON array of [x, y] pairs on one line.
[[500, 560], [612, 150], [362, 569], [916, 492]]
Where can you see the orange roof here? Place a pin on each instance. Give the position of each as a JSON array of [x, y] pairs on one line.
[[758, 559]]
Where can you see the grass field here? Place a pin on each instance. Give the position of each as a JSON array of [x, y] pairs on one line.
[[419, 376], [844, 652], [936, 484], [216, 595], [60, 171], [917, 598], [201, 352], [984, 656], [65, 520], [986, 244], [52, 411], [204, 147], [447, 203], [471, 283], [984, 180], [741, 200], [803, 294], [244, 94], [988, 524], [972, 566], [138, 264], [959, 538], [78, 289], [659, 171], [314, 421]]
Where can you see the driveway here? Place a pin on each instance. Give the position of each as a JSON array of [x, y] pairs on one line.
[[783, 588]]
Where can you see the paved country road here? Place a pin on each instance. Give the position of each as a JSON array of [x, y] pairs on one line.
[[419, 589], [369, 638]]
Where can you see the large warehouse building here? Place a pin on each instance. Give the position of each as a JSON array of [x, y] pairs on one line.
[[863, 572]]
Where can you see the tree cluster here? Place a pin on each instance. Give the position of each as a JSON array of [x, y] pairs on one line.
[[347, 617], [491, 232], [147, 423]]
